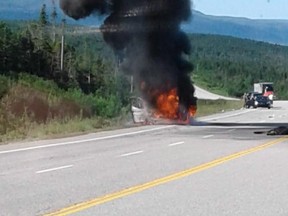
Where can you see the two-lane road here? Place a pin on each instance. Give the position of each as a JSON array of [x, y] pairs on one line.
[[152, 170]]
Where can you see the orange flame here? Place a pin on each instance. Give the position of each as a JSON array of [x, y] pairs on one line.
[[167, 105]]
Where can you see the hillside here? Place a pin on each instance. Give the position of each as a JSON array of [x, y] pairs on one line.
[[272, 31], [232, 65]]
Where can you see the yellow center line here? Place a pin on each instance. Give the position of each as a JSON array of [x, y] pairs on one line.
[[132, 190]]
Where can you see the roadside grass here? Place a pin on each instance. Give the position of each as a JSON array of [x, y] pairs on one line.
[[75, 126], [209, 107], [29, 112], [24, 128]]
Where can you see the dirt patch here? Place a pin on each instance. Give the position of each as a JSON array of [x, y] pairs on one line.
[[40, 107]]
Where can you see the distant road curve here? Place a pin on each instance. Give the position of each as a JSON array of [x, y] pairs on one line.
[[203, 94]]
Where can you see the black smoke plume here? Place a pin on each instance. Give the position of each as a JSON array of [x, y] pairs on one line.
[[148, 33]]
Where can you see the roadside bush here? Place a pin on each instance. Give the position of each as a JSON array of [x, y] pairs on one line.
[[108, 107], [4, 85], [35, 82]]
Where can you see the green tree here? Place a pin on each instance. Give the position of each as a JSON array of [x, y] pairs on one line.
[[8, 49], [54, 19], [43, 18]]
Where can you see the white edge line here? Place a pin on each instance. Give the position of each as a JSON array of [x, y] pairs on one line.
[[175, 144], [208, 136], [86, 140], [131, 153], [54, 169]]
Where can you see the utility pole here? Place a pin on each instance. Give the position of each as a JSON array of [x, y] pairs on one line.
[[117, 68], [62, 45], [62, 52], [131, 84]]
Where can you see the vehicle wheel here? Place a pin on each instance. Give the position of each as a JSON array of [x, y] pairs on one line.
[[269, 107]]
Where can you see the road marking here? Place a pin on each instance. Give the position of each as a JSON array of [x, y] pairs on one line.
[[138, 188], [208, 136], [176, 144], [262, 121], [54, 169], [131, 153], [231, 130], [86, 140]]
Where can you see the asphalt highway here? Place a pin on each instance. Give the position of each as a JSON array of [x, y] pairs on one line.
[[204, 94], [153, 170]]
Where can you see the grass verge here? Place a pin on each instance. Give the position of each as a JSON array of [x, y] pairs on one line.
[[208, 107], [24, 128], [36, 109]]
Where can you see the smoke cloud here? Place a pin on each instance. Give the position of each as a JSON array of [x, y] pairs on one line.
[[148, 34]]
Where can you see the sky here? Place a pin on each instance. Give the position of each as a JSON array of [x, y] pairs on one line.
[[254, 9]]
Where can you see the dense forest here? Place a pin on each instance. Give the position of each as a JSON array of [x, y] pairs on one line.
[[87, 69], [233, 65]]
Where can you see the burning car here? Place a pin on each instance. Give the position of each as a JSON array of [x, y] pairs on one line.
[[140, 111], [166, 109], [154, 50]]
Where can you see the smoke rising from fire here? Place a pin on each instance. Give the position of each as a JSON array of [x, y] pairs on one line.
[[148, 33]]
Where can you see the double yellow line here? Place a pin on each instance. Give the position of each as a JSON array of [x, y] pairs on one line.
[[85, 205]]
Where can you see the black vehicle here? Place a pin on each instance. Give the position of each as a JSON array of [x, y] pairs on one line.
[[255, 100]]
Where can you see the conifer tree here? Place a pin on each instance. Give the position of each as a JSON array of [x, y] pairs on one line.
[[43, 18]]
